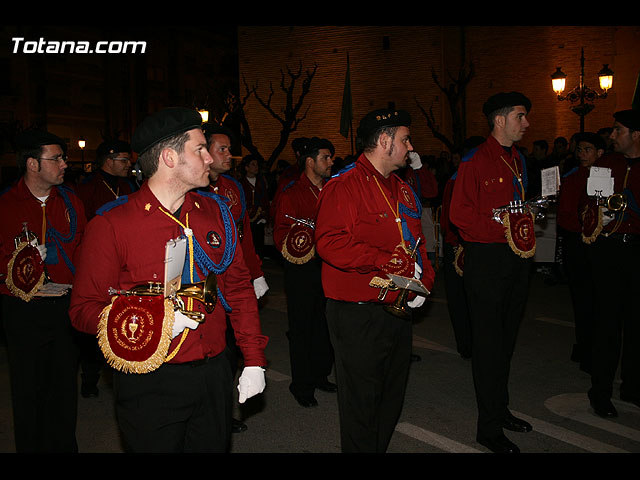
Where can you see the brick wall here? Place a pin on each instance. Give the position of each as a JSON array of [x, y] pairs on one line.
[[505, 58]]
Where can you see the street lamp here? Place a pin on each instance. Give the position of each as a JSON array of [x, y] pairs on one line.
[[204, 114], [82, 143], [582, 95]]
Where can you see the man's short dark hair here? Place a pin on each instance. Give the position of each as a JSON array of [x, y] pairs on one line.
[[149, 159]]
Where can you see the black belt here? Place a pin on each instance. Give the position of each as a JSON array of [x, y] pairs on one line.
[[625, 237], [198, 363]]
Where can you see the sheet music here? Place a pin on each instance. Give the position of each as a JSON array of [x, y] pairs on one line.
[[51, 289], [174, 255], [550, 181], [600, 182]]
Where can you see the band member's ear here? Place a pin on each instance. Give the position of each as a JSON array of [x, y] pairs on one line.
[[33, 164], [384, 140], [169, 157]]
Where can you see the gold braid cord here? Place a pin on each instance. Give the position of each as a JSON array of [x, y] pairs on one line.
[[18, 292], [513, 243], [149, 364], [458, 259], [590, 238]]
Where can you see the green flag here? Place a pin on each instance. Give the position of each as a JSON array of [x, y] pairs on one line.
[[635, 102], [347, 113]]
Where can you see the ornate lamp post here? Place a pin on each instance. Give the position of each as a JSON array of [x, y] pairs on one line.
[[582, 95]]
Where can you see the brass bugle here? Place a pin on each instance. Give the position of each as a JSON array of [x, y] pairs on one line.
[[399, 307], [303, 221], [205, 292], [535, 205]]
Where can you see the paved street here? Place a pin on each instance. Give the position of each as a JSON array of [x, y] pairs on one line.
[[439, 414]]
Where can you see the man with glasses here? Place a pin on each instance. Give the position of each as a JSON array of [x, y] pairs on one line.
[[42, 355], [112, 178]]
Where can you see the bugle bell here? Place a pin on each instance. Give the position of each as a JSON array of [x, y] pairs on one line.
[[614, 203], [399, 307], [205, 292]]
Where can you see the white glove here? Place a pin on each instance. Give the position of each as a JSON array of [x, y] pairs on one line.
[[260, 286], [42, 249], [250, 383], [607, 216], [418, 272], [180, 322], [414, 160], [416, 302], [262, 220]]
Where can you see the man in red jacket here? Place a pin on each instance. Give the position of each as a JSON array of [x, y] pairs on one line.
[[108, 183], [589, 148], [615, 259], [368, 226], [42, 354], [497, 261], [219, 140], [111, 179], [310, 352], [172, 380]]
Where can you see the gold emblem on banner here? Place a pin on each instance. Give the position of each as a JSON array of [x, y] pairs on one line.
[[520, 233]]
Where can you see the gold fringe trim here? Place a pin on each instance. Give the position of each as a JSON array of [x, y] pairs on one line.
[[592, 238], [297, 260], [128, 366], [516, 250], [26, 296], [457, 252]]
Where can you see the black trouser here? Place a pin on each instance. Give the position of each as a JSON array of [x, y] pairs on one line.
[[457, 302], [176, 408], [496, 281], [43, 366], [91, 358], [372, 354], [578, 268], [616, 328], [310, 352]]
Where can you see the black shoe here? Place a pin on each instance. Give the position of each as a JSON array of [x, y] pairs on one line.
[[415, 358], [603, 407], [499, 444], [306, 401], [516, 424], [88, 391], [630, 399], [327, 387], [237, 426]]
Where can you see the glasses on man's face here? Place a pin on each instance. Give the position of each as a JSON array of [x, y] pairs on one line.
[[58, 159], [122, 159]]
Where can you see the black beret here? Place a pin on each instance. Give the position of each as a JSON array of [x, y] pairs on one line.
[[216, 129], [30, 139], [504, 100], [628, 118], [162, 125], [314, 144], [593, 138], [298, 144], [109, 147], [384, 117]]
